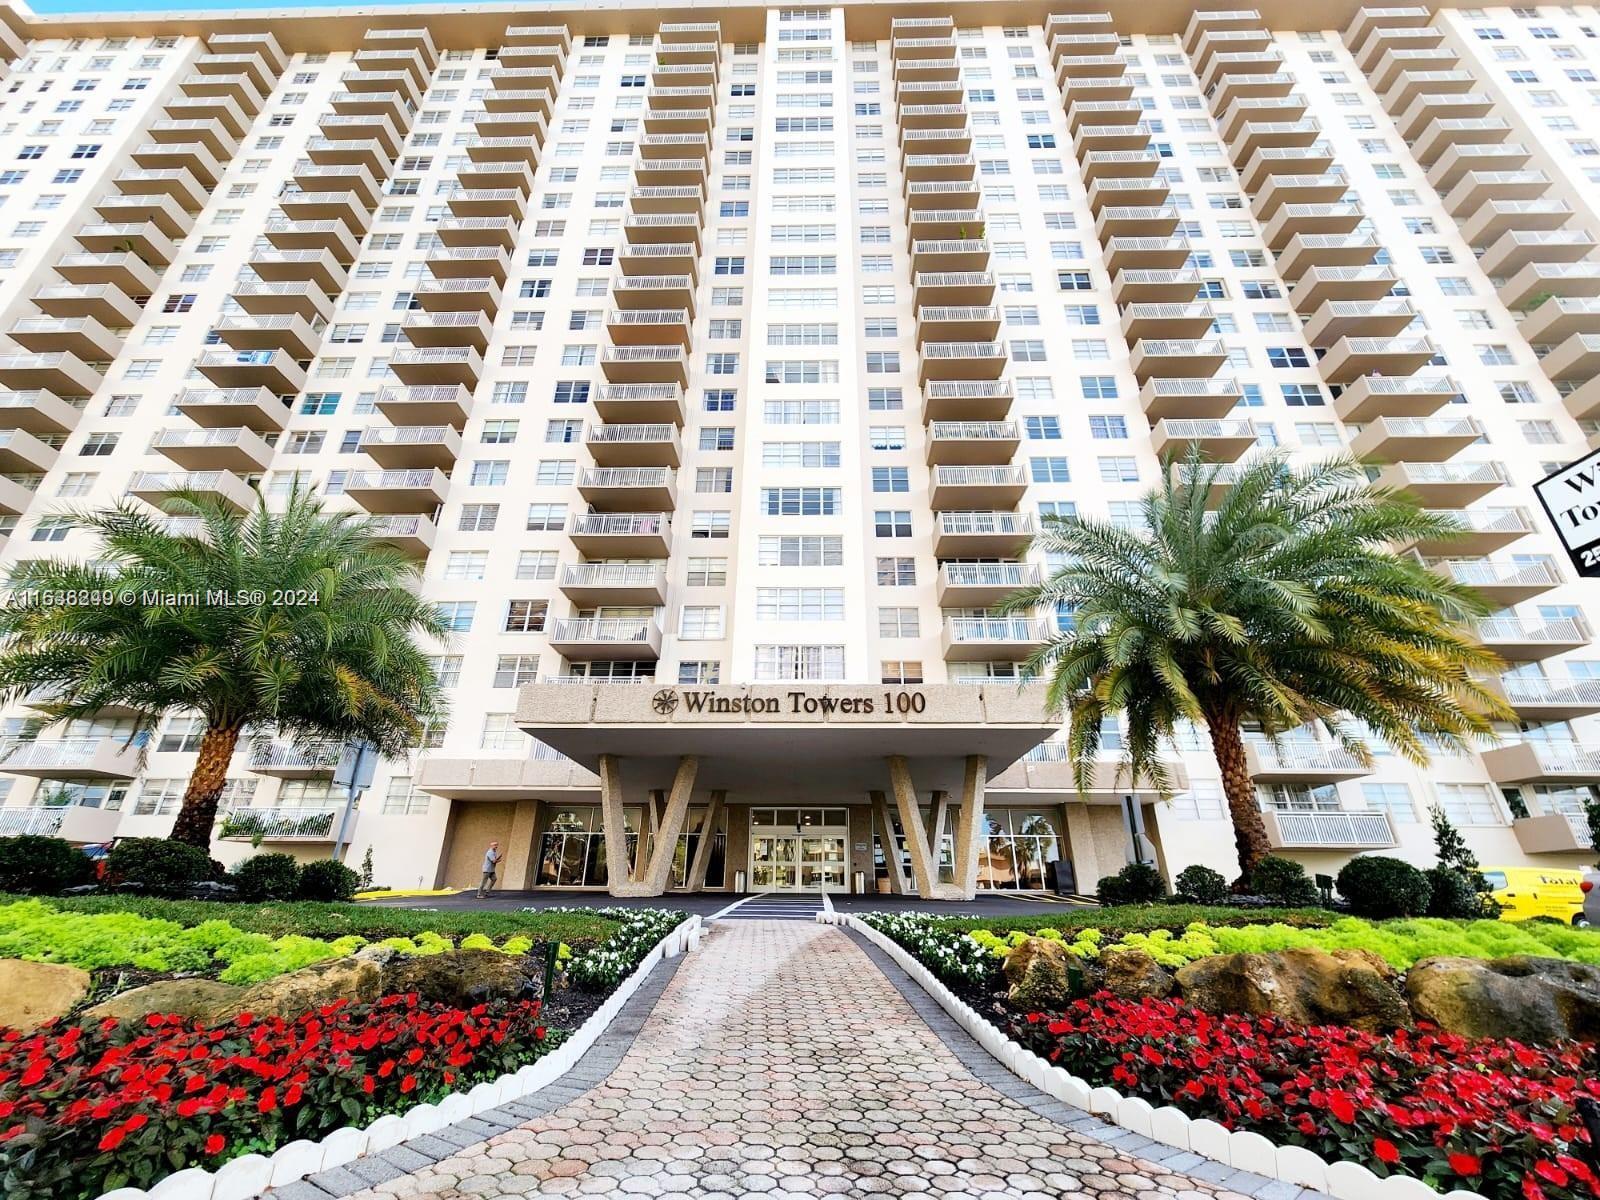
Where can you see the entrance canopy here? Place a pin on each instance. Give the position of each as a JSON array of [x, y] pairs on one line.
[[805, 742]]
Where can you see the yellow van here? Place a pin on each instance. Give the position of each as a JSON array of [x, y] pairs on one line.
[[1525, 892]]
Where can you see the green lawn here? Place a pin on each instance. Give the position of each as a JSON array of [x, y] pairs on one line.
[[329, 921], [1143, 918]]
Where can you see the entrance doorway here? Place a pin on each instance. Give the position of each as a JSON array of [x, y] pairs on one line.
[[798, 849]]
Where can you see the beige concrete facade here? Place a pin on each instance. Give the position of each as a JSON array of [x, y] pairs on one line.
[[731, 348]]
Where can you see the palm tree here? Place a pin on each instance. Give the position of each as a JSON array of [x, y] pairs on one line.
[[297, 621], [1281, 605]]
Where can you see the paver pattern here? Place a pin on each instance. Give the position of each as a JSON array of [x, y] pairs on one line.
[[780, 1062]]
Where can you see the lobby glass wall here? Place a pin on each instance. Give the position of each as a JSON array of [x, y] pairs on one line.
[[572, 851], [1018, 846]]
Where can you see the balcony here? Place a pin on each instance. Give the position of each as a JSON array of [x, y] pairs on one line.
[[1215, 440], [496, 176], [648, 326], [1415, 439], [450, 329], [1134, 287], [1166, 321], [1098, 165], [634, 445], [659, 228], [157, 487], [1517, 249], [1083, 88], [1442, 484], [1458, 162], [1154, 253], [446, 404], [411, 535], [1374, 396], [967, 400], [212, 134], [314, 266], [959, 193], [992, 639], [1371, 22], [1322, 284], [236, 449], [331, 237], [1136, 221], [477, 231], [1519, 640], [1328, 830], [1207, 399], [960, 289], [1553, 833], [71, 758], [657, 260], [419, 490], [82, 337], [1576, 359], [126, 271], [231, 408], [1557, 697], [458, 295], [144, 238], [615, 583], [651, 173], [629, 489], [1478, 188], [1307, 250], [961, 360], [971, 323], [460, 365], [488, 202], [1551, 279], [1253, 136], [1298, 760], [1127, 193], [972, 442], [1442, 134], [1089, 138], [17, 495], [289, 332], [1177, 359], [1559, 317], [983, 584], [645, 364], [1213, 42], [406, 446], [78, 824], [177, 183], [955, 255], [977, 534], [283, 824], [1481, 531], [1342, 319], [1499, 217], [639, 403], [1429, 108], [274, 370], [63, 374], [1526, 762], [99, 301], [621, 535], [364, 127], [1397, 61], [978, 487], [38, 412], [23, 454], [287, 761], [1308, 191], [589, 639], [469, 262]]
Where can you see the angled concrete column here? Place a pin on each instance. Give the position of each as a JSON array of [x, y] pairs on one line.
[[695, 880], [657, 874], [898, 884], [941, 821], [619, 867], [923, 868], [655, 802], [969, 830]]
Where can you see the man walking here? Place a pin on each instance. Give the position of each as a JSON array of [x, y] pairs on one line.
[[491, 862]]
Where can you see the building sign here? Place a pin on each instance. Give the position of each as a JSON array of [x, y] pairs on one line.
[[1571, 499], [893, 704]]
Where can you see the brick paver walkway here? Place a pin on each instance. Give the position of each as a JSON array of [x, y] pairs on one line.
[[781, 1062]]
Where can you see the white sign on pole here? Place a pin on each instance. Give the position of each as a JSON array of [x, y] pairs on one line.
[[1571, 499]]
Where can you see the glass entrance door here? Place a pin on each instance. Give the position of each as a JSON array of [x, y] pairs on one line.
[[798, 850]]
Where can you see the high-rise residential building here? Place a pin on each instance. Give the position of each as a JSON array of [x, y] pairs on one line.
[[717, 371]]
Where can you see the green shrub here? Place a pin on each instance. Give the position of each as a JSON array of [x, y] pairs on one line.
[[30, 863], [267, 877], [1201, 885], [1283, 881], [157, 865], [1383, 887], [1136, 883], [328, 881], [1456, 893]]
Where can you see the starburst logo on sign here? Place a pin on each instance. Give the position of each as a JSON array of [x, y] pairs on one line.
[[665, 702]]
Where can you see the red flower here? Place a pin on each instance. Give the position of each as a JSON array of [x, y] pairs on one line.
[[409, 1082], [268, 1101], [215, 1143], [113, 1139], [1385, 1150], [1465, 1164], [1341, 1107]]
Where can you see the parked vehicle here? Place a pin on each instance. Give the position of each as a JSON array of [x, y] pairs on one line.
[[1524, 892], [1591, 898]]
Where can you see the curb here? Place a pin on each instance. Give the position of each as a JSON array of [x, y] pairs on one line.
[[1170, 1126], [251, 1174]]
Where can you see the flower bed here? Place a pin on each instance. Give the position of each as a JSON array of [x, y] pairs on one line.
[[637, 932], [1489, 1116], [88, 1110], [33, 930]]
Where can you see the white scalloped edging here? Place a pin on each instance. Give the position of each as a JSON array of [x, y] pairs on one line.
[[250, 1174], [1168, 1125]]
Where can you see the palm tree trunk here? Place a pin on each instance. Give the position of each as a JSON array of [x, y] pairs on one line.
[[1249, 830], [210, 776]]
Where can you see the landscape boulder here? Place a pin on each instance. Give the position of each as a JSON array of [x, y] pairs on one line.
[[460, 978], [1133, 975], [1037, 972], [1529, 999], [32, 993], [194, 998], [292, 994], [1303, 985]]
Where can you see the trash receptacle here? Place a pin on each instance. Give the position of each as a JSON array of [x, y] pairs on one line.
[[738, 883], [861, 883], [1063, 880]]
